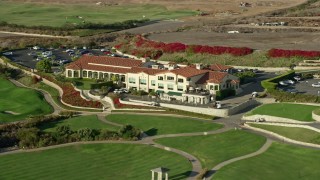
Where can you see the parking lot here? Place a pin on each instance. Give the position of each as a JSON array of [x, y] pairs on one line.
[[24, 58], [305, 87]]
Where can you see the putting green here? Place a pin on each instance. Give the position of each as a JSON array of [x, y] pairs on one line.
[[93, 161], [18, 103]]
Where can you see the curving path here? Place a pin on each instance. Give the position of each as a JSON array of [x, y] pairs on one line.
[[264, 148]]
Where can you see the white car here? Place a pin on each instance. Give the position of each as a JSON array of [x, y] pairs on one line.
[[282, 83], [289, 82], [69, 50], [117, 91], [297, 78], [36, 48], [316, 85], [8, 53]]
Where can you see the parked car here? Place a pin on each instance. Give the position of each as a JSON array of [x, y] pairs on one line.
[[117, 91], [289, 82], [107, 53], [69, 50], [124, 90], [260, 120], [8, 53], [39, 58], [297, 78], [32, 53], [36, 48], [65, 61], [292, 91], [315, 85], [282, 83]]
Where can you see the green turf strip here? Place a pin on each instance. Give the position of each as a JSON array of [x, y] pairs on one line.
[[214, 149], [31, 14], [297, 112], [79, 122], [156, 125], [95, 161], [295, 133], [22, 102], [280, 161]]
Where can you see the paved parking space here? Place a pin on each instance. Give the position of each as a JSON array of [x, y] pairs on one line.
[[305, 87], [21, 56]]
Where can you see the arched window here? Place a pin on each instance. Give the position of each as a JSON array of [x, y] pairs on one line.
[[85, 74], [76, 74], [69, 73], [90, 74]]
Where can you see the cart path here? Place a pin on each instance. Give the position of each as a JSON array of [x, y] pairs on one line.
[[263, 149]]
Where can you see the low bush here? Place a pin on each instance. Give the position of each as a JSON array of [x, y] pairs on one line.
[[99, 85], [271, 84], [293, 53], [225, 93]]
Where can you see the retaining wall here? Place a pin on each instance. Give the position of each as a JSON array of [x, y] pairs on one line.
[[315, 116], [242, 106], [285, 139], [273, 119]]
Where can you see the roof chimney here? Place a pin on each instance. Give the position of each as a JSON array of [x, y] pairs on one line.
[[199, 66]]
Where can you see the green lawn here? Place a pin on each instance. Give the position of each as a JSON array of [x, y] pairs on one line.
[[292, 111], [95, 161], [295, 133], [214, 149], [56, 15], [280, 161], [156, 125], [22, 102], [83, 83], [80, 122]]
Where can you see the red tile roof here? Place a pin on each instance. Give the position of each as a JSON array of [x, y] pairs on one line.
[[104, 63], [147, 70], [212, 77], [219, 67], [187, 71]]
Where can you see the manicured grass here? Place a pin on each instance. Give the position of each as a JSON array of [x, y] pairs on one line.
[[156, 125], [214, 149], [22, 102], [297, 112], [83, 83], [57, 15], [295, 133], [93, 161], [280, 161], [80, 122]]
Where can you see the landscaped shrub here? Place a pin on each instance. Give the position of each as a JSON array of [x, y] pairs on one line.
[[292, 53], [141, 47], [270, 84], [99, 85], [225, 93]]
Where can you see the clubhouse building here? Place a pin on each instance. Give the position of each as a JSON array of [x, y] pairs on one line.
[[191, 84]]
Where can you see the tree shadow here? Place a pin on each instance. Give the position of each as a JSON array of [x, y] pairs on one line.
[[152, 132]]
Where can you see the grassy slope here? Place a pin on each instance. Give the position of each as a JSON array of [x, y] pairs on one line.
[[79, 122], [295, 133], [155, 125], [214, 149], [24, 101], [55, 15], [95, 161], [292, 111], [279, 162]]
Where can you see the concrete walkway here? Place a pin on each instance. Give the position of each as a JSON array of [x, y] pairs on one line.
[[263, 149]]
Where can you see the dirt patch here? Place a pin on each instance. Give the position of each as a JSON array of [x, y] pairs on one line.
[[262, 41]]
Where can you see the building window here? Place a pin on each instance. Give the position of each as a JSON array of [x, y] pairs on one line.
[[100, 75], [122, 78], [170, 86], [211, 87], [160, 86], [76, 74], [143, 81], [84, 74], [160, 78], [90, 74], [188, 79], [216, 87], [180, 80], [170, 78], [132, 80], [95, 75], [106, 76], [153, 82], [180, 88], [69, 73]]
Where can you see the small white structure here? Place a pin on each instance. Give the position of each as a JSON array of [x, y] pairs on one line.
[[160, 171]]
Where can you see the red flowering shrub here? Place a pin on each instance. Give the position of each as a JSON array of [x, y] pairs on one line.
[[293, 53], [70, 95], [147, 48]]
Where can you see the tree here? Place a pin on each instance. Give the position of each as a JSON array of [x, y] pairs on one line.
[[44, 66], [28, 137]]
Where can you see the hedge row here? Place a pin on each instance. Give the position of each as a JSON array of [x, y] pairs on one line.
[[99, 85], [271, 84]]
